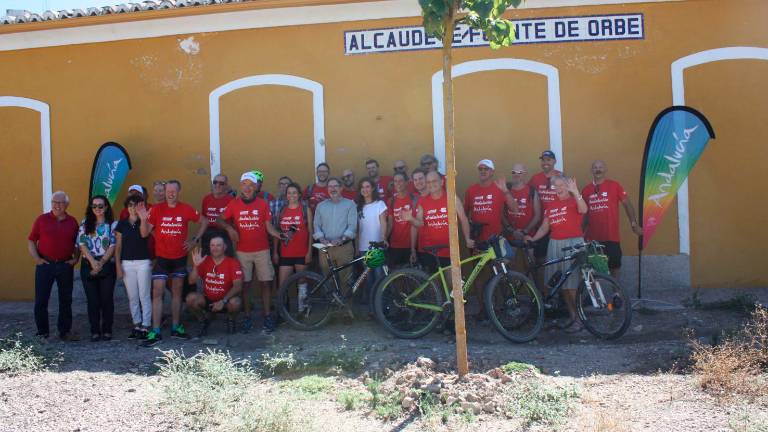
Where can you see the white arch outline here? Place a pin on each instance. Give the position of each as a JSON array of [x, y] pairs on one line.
[[318, 111], [678, 98], [466, 68], [45, 139]]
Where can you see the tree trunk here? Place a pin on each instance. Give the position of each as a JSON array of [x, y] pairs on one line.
[[450, 170]]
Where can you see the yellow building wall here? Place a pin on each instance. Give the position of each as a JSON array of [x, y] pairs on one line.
[[152, 97]]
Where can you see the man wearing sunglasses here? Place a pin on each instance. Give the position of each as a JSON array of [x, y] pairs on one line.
[[52, 245], [348, 190], [212, 206]]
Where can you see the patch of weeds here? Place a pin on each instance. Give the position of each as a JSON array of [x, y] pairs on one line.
[[743, 303], [745, 421], [735, 365], [518, 367], [341, 359], [541, 403], [384, 405], [310, 386], [432, 410], [278, 364], [214, 391], [351, 399], [20, 355]]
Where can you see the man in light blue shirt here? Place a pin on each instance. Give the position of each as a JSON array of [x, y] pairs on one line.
[[335, 224]]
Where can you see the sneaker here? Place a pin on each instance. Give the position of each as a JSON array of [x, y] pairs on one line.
[[153, 338], [269, 325], [179, 332], [135, 333], [247, 324], [143, 332], [231, 326], [204, 324]]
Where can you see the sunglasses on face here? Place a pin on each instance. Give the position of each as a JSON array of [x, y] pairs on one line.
[[98, 206], [517, 172], [399, 168], [219, 183]]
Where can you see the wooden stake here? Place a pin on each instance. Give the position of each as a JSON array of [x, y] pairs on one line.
[[462, 363]]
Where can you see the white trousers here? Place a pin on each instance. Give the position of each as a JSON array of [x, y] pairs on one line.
[[138, 285]]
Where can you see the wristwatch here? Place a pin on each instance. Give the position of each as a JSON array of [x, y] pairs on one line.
[[224, 301]]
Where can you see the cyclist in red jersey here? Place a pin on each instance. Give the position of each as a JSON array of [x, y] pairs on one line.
[[212, 206], [169, 223], [318, 191], [399, 228], [431, 220], [527, 218], [602, 220], [222, 281], [563, 221], [542, 182], [248, 220], [484, 201], [295, 222], [349, 189], [382, 182]]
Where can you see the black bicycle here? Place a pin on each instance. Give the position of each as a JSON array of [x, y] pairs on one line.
[[307, 299], [602, 305]]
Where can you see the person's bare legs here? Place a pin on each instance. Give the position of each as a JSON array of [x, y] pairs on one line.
[[158, 289], [177, 286]]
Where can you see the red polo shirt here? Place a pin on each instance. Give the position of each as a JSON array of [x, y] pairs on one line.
[[55, 238]]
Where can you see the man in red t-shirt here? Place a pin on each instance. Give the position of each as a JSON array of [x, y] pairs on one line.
[[541, 181], [484, 202], [169, 223], [318, 192], [348, 189], [248, 220], [222, 281], [399, 228], [527, 217], [382, 182], [212, 206], [52, 245], [602, 220], [431, 221]]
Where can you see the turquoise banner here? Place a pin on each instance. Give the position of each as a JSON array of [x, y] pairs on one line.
[[110, 168]]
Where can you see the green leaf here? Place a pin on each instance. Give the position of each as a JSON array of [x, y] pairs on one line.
[[500, 33], [434, 25]]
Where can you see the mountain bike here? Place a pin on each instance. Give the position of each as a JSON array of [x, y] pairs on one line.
[[410, 303], [306, 300], [602, 305]]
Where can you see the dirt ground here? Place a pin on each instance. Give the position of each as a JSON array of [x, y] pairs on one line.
[[629, 384]]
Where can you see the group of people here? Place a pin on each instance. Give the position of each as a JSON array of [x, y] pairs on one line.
[[253, 239]]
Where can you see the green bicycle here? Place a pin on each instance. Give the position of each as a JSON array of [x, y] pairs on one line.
[[409, 303]]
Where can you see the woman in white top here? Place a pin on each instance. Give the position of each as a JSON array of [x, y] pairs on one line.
[[371, 226]]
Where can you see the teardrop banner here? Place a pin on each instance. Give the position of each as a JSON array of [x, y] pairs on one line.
[[110, 168], [677, 138]]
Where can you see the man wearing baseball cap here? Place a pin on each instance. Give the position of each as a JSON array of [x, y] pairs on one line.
[[484, 205], [135, 190], [248, 220], [547, 194]]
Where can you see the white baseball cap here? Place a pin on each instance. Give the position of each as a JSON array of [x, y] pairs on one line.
[[486, 162], [249, 175], [136, 188]]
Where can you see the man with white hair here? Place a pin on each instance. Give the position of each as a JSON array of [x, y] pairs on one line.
[[52, 245]]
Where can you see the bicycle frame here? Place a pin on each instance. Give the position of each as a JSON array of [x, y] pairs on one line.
[[483, 259], [586, 274], [333, 273]]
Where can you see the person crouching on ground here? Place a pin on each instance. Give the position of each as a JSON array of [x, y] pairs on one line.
[[563, 219], [222, 280]]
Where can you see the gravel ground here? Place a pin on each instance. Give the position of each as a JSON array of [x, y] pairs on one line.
[[112, 386]]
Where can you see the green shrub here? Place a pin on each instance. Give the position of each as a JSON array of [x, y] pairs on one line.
[[20, 355]]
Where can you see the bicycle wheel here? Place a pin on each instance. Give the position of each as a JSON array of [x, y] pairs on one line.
[[607, 311], [315, 308], [514, 306], [401, 320]]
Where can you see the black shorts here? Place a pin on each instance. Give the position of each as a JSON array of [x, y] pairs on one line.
[[427, 261], [613, 250], [208, 304], [166, 268], [397, 257], [287, 261], [540, 247]]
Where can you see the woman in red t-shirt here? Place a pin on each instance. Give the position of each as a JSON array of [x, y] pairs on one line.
[[562, 219], [295, 222]]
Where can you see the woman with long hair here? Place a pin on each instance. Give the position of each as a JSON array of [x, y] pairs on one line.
[[371, 226], [295, 222], [134, 265], [97, 268]]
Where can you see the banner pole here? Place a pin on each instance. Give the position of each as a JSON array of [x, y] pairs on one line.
[[640, 272]]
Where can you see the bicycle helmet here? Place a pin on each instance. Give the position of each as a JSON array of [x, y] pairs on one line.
[[375, 258], [259, 175]]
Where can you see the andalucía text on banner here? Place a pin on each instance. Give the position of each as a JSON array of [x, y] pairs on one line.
[[676, 140], [110, 168]]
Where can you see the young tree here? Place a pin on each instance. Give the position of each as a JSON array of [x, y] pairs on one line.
[[440, 19]]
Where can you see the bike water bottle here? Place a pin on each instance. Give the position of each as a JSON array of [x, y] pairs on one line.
[[555, 277]]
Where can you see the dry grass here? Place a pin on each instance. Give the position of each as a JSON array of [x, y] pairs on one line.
[[737, 365]]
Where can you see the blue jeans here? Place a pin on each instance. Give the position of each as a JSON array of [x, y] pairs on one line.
[[45, 275]]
